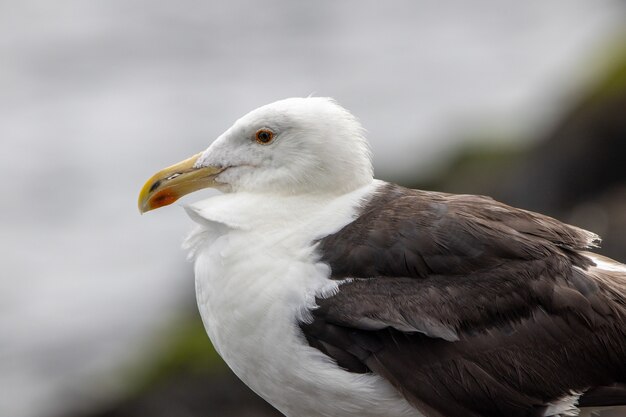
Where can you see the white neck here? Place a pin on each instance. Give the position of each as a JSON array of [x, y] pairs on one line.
[[258, 211]]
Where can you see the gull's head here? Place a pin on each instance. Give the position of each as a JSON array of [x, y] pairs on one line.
[[292, 146]]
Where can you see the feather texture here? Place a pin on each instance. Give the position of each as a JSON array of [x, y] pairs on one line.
[[470, 307]]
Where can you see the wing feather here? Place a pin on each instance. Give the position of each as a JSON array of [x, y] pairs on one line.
[[468, 306]]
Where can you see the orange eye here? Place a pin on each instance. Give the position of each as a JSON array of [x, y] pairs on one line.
[[264, 136]]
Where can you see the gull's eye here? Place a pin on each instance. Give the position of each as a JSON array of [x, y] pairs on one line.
[[264, 136]]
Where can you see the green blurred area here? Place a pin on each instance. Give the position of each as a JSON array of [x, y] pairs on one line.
[[189, 352]]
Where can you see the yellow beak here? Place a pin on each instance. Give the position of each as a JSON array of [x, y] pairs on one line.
[[171, 183]]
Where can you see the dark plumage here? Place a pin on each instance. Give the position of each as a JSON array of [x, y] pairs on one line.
[[471, 307]]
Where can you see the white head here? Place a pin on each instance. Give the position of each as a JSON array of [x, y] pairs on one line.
[[292, 146], [313, 145]]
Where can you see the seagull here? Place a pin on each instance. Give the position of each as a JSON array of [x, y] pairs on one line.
[[333, 294]]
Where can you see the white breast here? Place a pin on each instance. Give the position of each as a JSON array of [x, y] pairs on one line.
[[257, 276]]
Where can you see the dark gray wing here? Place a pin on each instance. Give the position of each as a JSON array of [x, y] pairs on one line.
[[469, 307], [413, 233]]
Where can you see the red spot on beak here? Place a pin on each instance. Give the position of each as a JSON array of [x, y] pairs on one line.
[[163, 198]]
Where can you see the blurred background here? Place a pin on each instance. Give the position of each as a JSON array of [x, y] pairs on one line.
[[524, 101]]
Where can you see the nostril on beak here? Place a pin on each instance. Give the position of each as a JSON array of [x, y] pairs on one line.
[[155, 186]]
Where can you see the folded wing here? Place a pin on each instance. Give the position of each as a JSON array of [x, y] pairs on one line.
[[470, 307]]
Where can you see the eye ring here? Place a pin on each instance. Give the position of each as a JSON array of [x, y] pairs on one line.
[[264, 136]]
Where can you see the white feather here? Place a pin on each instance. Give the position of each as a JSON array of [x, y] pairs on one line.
[[564, 407]]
